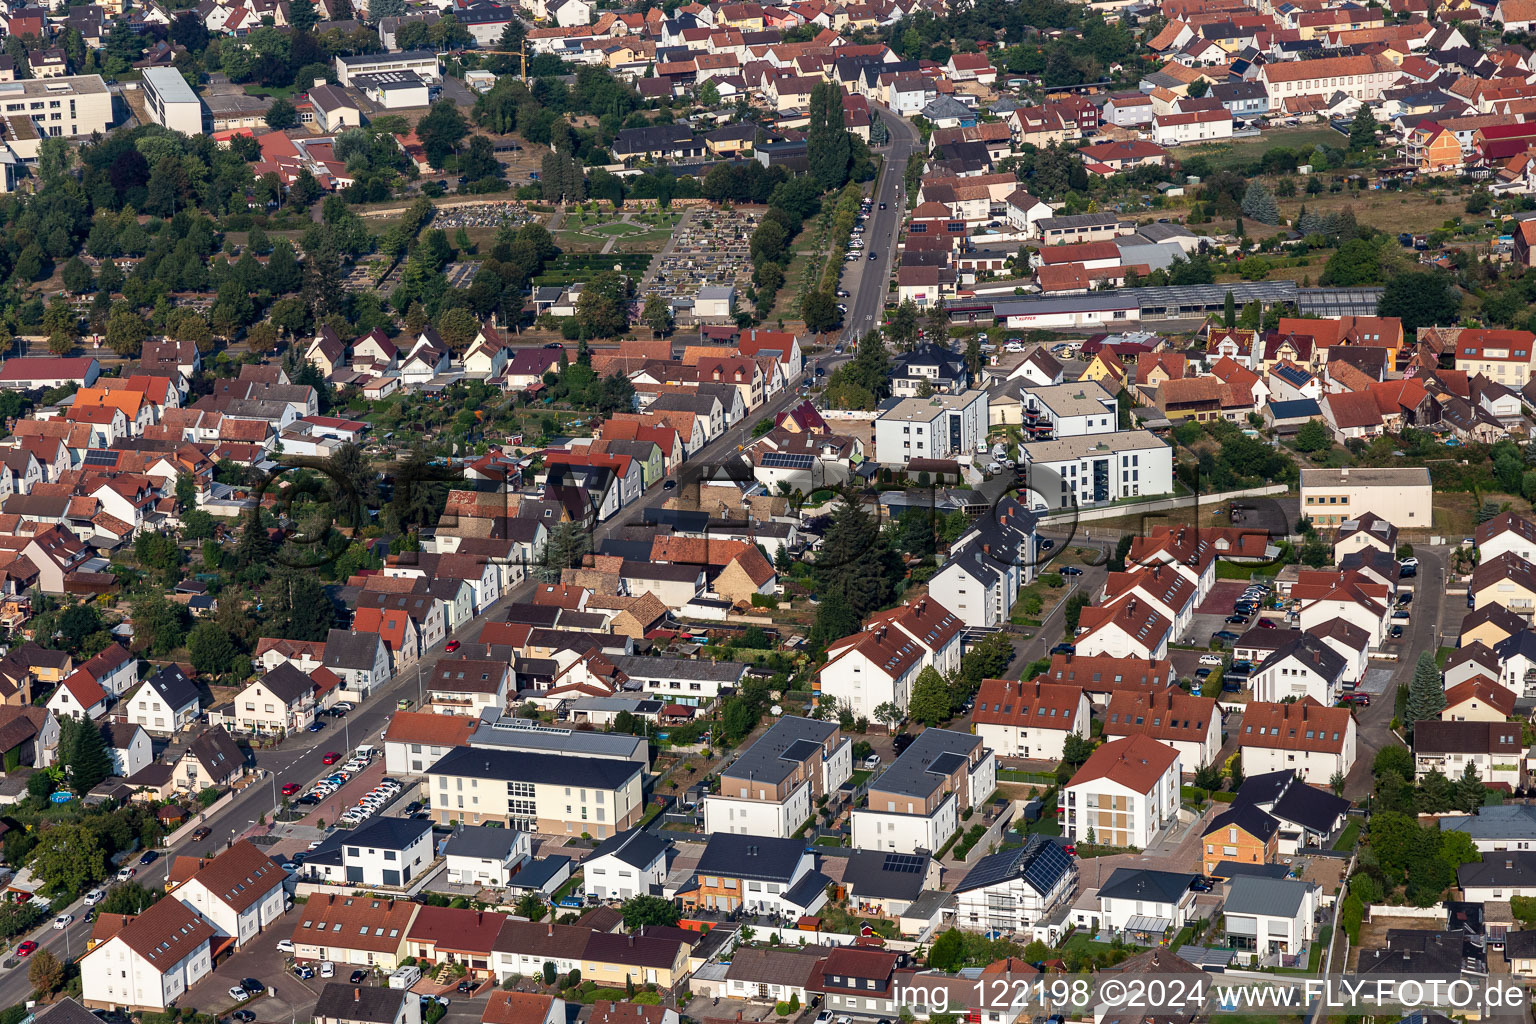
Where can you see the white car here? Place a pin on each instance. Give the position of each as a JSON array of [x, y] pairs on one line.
[[63, 921], [1210, 659], [285, 945], [124, 874], [327, 969], [94, 897], [238, 994], [341, 706]]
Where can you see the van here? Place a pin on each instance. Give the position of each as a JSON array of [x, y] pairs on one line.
[[405, 977]]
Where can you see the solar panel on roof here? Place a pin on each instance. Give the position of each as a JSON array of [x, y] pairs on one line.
[[946, 763], [101, 458], [1046, 867], [799, 750], [787, 460], [902, 863]]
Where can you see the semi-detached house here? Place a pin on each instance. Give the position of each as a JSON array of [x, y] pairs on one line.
[[1492, 749], [239, 892], [916, 804], [1030, 720], [772, 788], [1189, 724], [1316, 742], [879, 664], [151, 962]]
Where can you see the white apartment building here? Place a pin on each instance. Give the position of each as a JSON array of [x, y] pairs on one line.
[[172, 102], [1303, 667], [1096, 468], [423, 62], [66, 107], [931, 428], [879, 664], [1362, 78], [151, 962], [1075, 409], [1124, 794], [239, 892]]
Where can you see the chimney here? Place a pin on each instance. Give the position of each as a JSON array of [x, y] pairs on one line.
[[631, 940], [357, 995], [549, 928]]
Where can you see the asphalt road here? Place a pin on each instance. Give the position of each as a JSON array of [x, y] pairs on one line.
[[868, 280]]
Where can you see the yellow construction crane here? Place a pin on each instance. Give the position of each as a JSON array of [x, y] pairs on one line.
[[523, 53]]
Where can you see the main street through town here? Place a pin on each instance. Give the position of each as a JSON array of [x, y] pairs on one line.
[[299, 758]]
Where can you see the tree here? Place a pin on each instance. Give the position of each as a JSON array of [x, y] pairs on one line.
[[1259, 203], [644, 911], [254, 547], [707, 94], [1198, 88], [1362, 130], [1336, 783], [657, 314], [886, 713], [128, 898], [1229, 311], [819, 311], [45, 972], [947, 952], [1357, 262], [1313, 436], [281, 115], [973, 355], [213, 651], [901, 332], [68, 859], [1421, 298], [126, 332], [603, 308], [1392, 759], [85, 752], [930, 700], [440, 131], [77, 276], [1426, 693], [828, 145], [1470, 791], [301, 15], [1076, 750], [1208, 777]]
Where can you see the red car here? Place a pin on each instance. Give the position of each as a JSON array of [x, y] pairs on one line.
[[1363, 699], [453, 645], [331, 757], [1267, 624], [26, 948], [290, 788]]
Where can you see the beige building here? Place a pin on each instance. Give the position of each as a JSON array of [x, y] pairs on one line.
[[554, 794], [1400, 496], [66, 107]]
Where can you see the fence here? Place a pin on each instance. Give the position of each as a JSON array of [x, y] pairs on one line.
[[866, 415], [1161, 504], [197, 821]]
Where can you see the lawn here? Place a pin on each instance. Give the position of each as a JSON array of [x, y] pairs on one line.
[[1241, 151], [1349, 836], [1442, 655]]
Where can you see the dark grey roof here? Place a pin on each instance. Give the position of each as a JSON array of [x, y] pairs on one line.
[[759, 858], [636, 847], [1246, 817], [1314, 809], [217, 752], [288, 683], [351, 649], [1150, 886], [1505, 868], [373, 1004], [766, 758], [378, 834], [924, 766], [1040, 862], [1267, 897], [174, 687], [66, 1011], [807, 892], [1236, 868], [481, 841], [880, 874], [1312, 653], [364, 59], [550, 769], [702, 669]]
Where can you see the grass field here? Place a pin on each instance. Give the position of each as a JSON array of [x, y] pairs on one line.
[[1241, 151]]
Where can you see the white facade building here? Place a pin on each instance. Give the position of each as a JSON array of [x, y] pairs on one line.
[[931, 428], [1124, 794]]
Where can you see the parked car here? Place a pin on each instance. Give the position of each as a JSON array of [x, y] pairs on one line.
[[237, 994], [26, 949], [327, 969], [150, 856], [1224, 634], [316, 725], [303, 972], [1201, 885], [1396, 632], [467, 987], [452, 646], [331, 757], [1238, 620], [358, 977], [285, 945], [1064, 649], [202, 832], [1210, 659], [1203, 672], [243, 1016], [290, 788], [1070, 570], [1362, 699]]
